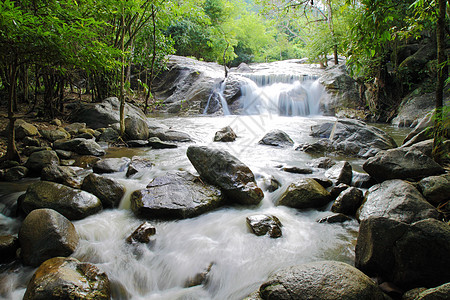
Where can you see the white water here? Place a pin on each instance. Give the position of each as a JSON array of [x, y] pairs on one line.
[[181, 249]]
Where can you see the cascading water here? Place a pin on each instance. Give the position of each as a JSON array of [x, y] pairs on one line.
[[217, 97]]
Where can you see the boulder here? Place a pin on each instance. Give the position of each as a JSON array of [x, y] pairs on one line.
[[303, 194], [362, 180], [63, 154], [168, 135], [73, 204], [335, 218], [39, 160], [337, 189], [68, 278], [320, 280], [341, 172], [199, 278], [401, 163], [23, 129], [354, 138], [441, 292], [413, 108], [220, 168], [108, 190], [297, 170], [64, 175], [436, 189], [31, 149], [15, 173], [54, 135], [80, 146], [136, 128], [142, 234], [320, 147], [420, 129], [348, 201], [44, 234], [323, 163], [137, 143], [225, 134], [8, 247], [271, 184], [106, 113], [397, 200], [111, 165], [31, 141], [75, 128], [277, 138], [263, 224], [175, 196], [426, 147], [156, 143], [138, 164], [109, 135]]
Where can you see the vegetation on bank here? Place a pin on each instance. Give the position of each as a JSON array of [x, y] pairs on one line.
[[48, 48]]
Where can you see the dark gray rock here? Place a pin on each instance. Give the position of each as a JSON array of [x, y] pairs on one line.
[[68, 278], [69, 176], [73, 204], [320, 147], [325, 182], [362, 180], [15, 173], [271, 184], [336, 190], [413, 108], [136, 128], [8, 247], [85, 135], [341, 172], [39, 160], [109, 135], [398, 200], [297, 170], [263, 224], [323, 163], [348, 201], [63, 154], [108, 190], [225, 134], [31, 141], [138, 164], [441, 292], [277, 138], [401, 163], [75, 128], [44, 234], [436, 189], [303, 194], [111, 165], [175, 196], [142, 234], [353, 137], [54, 135], [156, 143], [137, 143], [80, 146], [335, 218], [169, 135], [220, 168], [323, 280], [426, 147], [23, 129], [31, 149]]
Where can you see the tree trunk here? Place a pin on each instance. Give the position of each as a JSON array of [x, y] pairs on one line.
[[11, 152], [333, 36], [122, 81], [152, 66]]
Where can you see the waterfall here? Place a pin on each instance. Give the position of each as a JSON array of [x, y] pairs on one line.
[[281, 94], [217, 97]]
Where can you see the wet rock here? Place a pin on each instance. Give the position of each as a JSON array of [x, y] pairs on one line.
[[8, 247], [220, 168], [426, 147], [325, 182], [401, 163], [225, 134], [362, 180], [108, 135], [62, 174], [63, 154], [413, 108], [320, 280], [68, 278], [277, 138], [341, 172], [142, 234], [335, 218], [31, 149], [397, 200], [39, 160], [156, 143], [31, 141], [436, 189], [85, 135], [323, 163], [137, 143], [263, 224], [86, 161], [75, 128], [199, 278], [111, 165], [348, 201], [136, 128], [297, 170], [353, 137], [336, 190], [23, 129], [73, 204], [44, 234], [408, 255], [441, 292], [175, 196], [169, 135], [303, 194], [138, 164], [321, 147], [271, 184], [80, 146], [15, 173], [108, 190], [54, 135]]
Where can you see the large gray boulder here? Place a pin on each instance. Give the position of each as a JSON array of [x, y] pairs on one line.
[[276, 138], [39, 160], [325, 280], [54, 135], [353, 137], [413, 108], [401, 163], [108, 190], [397, 200], [441, 292], [72, 203], [80, 146], [111, 165], [175, 196], [303, 194], [436, 189], [23, 129], [225, 134], [348, 201], [44, 234], [263, 224], [68, 278], [70, 176], [409, 255], [136, 128], [222, 169]]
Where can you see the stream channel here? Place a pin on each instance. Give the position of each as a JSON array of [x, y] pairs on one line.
[[241, 261]]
